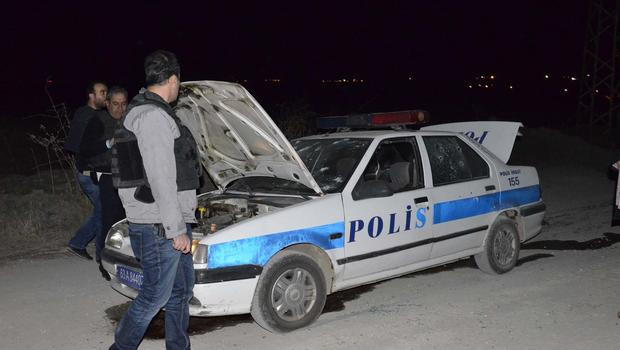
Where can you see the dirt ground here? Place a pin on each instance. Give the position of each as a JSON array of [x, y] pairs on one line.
[[564, 293]]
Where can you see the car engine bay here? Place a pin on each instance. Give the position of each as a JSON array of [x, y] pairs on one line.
[[217, 212]]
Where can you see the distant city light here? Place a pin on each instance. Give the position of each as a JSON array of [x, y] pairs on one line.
[[342, 80], [565, 90], [482, 77], [596, 91], [510, 87], [492, 77], [486, 86], [573, 78], [470, 86], [410, 78], [546, 76]]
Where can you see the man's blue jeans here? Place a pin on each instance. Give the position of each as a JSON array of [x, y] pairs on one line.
[[168, 282], [92, 226]]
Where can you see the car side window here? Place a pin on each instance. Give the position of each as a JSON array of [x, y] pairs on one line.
[[395, 162], [452, 160]]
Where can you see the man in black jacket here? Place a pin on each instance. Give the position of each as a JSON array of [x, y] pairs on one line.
[[85, 141], [111, 207]]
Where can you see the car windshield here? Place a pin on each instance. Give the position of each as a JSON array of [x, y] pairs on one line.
[[265, 184], [331, 161]]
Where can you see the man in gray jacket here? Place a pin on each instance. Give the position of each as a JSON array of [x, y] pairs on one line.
[[159, 197]]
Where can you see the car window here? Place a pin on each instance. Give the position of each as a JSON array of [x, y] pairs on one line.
[[452, 160], [395, 162], [331, 161]]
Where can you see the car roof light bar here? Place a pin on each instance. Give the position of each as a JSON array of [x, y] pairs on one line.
[[395, 120]]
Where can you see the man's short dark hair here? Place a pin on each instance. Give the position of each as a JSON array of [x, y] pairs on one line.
[[90, 88], [116, 90], [159, 66]]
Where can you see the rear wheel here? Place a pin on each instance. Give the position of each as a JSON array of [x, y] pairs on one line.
[[290, 293], [501, 248]]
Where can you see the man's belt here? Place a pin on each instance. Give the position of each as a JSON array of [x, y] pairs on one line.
[[159, 229], [93, 174], [161, 232]]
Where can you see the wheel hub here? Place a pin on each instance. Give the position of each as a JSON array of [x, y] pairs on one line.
[[293, 294], [504, 247]]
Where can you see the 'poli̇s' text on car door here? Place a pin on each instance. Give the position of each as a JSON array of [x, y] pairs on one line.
[[386, 232]]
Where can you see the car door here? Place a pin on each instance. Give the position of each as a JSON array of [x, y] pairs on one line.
[[386, 211], [464, 191]]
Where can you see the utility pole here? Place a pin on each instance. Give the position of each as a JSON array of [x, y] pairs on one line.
[[599, 101]]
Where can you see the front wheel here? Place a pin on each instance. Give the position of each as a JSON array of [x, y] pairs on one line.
[[501, 248], [290, 293]]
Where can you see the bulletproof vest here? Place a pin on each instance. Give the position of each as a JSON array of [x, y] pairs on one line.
[[127, 167]]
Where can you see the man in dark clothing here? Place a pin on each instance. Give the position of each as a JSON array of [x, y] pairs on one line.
[[112, 208], [82, 142]]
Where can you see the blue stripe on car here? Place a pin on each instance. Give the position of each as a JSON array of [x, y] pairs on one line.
[[258, 250], [463, 208]]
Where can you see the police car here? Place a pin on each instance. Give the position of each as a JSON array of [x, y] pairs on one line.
[[291, 222]]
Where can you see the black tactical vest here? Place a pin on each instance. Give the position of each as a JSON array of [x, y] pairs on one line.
[[127, 167]]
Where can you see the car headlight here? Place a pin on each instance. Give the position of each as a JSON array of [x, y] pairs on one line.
[[115, 240], [201, 253], [115, 236], [195, 243]]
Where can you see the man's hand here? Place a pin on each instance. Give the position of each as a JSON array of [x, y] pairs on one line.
[[182, 243]]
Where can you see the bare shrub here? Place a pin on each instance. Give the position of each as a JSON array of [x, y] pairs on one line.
[[295, 118], [52, 141], [40, 212]]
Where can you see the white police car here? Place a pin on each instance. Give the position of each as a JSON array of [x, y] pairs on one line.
[[293, 222]]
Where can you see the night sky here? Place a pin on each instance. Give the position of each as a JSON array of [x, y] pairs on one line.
[[443, 43]]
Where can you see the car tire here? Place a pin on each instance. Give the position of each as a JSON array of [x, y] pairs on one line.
[[501, 248], [290, 293]]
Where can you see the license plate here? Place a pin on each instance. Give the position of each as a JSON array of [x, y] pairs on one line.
[[129, 277]]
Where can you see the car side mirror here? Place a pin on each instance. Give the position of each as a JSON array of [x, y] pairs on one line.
[[372, 189]]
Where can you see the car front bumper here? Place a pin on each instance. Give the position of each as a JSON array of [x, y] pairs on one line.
[[221, 293]]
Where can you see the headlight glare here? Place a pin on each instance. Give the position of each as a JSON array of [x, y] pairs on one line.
[[195, 243], [200, 253], [115, 239]]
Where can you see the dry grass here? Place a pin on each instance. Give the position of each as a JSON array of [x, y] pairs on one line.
[[36, 220]]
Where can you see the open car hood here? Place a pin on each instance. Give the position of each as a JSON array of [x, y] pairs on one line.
[[235, 136]]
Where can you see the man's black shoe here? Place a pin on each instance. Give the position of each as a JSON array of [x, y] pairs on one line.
[[82, 253], [104, 273]]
